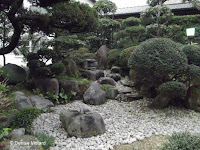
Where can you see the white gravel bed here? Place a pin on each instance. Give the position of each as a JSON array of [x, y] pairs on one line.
[[125, 123]]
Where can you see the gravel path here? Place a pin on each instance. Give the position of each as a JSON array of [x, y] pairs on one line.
[[125, 122]]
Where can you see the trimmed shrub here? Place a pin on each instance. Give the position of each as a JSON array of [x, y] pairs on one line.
[[193, 54], [25, 117], [132, 21], [42, 72], [57, 68], [182, 141], [157, 61], [173, 89], [124, 56], [114, 57]]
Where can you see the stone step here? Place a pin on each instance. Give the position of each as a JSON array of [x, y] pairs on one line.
[[129, 97]]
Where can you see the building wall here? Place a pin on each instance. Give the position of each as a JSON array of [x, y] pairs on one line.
[[13, 59], [173, 1], [89, 2]]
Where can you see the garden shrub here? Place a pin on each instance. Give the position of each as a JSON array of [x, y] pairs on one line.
[[132, 21], [25, 117], [57, 68], [114, 57], [124, 56], [193, 54], [48, 140], [172, 89], [157, 61], [182, 141]]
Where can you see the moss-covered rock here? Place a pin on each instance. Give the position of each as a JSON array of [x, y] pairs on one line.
[[14, 73]]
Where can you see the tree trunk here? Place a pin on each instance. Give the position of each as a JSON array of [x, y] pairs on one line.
[[4, 60]]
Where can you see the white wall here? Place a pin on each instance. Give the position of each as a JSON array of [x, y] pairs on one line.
[[11, 58], [90, 3]]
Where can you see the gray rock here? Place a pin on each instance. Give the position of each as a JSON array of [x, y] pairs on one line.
[[90, 64], [129, 97], [40, 102], [46, 84], [127, 83], [160, 102], [82, 125], [21, 101], [106, 80], [6, 122], [17, 133], [115, 69], [85, 108], [16, 74], [115, 76], [25, 142], [94, 95], [102, 57], [71, 68], [94, 74], [69, 86]]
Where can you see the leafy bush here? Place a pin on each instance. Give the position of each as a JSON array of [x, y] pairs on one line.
[[157, 61], [124, 56], [57, 68], [173, 89], [105, 87], [132, 21], [114, 57], [43, 138], [193, 54], [25, 117], [182, 141]]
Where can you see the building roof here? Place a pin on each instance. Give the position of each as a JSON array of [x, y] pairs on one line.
[[139, 9]]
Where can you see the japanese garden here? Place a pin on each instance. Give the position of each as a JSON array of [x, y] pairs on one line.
[[94, 76]]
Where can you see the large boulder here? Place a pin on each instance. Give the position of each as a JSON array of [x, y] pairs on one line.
[[94, 74], [115, 76], [21, 100], [15, 73], [94, 95], [71, 68], [46, 84], [86, 124], [25, 142], [40, 102], [17, 133], [69, 86], [193, 98], [106, 80], [160, 102], [102, 57], [115, 69]]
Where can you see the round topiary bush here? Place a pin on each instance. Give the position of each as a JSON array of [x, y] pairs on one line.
[[157, 61], [124, 56], [114, 57], [25, 117], [57, 68], [193, 54], [173, 89]]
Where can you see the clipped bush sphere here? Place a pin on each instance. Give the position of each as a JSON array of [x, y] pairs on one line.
[[173, 89], [125, 54], [57, 68], [156, 61], [42, 72], [114, 57], [193, 54]]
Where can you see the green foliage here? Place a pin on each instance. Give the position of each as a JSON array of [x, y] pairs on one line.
[[25, 117], [4, 132], [124, 56], [193, 54], [48, 140], [105, 7], [193, 72], [132, 21], [105, 87], [114, 57], [173, 89], [157, 61], [182, 141], [57, 68]]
